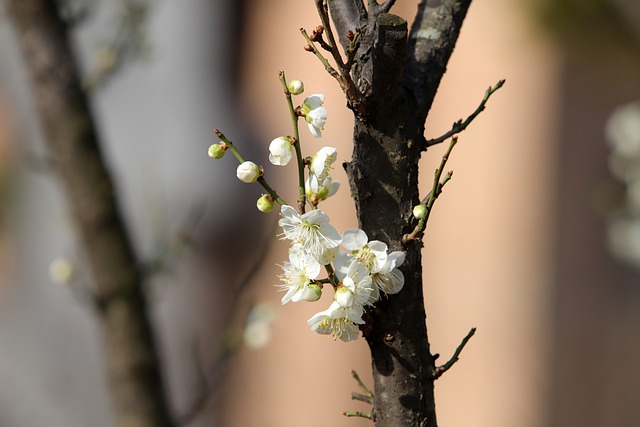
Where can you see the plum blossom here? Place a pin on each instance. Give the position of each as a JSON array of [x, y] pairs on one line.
[[299, 271], [315, 114], [333, 321], [311, 231], [387, 277], [280, 151]]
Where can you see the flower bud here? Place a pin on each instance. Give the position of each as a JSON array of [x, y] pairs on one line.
[[265, 203], [344, 297], [420, 211], [296, 87], [62, 271], [216, 151], [248, 172], [312, 293]]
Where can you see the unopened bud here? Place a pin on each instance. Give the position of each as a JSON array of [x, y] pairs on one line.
[[216, 151], [420, 211], [312, 293], [344, 297], [350, 35], [62, 271], [308, 48], [265, 203], [248, 172], [296, 87]]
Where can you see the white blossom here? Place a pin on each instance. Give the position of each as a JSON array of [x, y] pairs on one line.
[[387, 277], [280, 151], [333, 321], [311, 231], [301, 269], [315, 114], [372, 254], [322, 161], [320, 190]]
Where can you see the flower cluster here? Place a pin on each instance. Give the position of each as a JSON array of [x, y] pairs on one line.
[[360, 275], [362, 272]]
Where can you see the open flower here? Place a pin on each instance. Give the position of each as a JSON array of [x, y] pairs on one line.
[[311, 231], [301, 269], [333, 321], [280, 151], [355, 291], [315, 114], [322, 161], [387, 277], [372, 254], [320, 190]]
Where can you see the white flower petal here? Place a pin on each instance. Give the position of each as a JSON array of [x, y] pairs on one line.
[[354, 239]]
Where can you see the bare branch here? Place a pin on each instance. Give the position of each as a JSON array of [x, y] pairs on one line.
[[347, 15], [459, 126], [432, 39], [444, 368], [387, 5]]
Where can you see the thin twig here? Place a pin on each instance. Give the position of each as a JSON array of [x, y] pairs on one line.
[[436, 190], [332, 71], [437, 373], [362, 398], [364, 388], [323, 11], [459, 126], [360, 414]]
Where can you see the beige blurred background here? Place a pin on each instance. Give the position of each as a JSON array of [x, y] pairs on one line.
[[516, 246]]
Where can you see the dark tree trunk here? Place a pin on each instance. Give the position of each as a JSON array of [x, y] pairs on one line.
[[398, 77], [133, 368]]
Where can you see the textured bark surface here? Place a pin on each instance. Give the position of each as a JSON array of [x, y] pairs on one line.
[[398, 73], [133, 367]]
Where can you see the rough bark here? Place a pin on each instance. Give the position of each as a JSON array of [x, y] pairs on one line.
[[399, 77], [133, 367]]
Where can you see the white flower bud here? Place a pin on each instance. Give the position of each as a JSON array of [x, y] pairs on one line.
[[265, 203], [296, 87], [216, 151], [344, 297], [280, 151], [420, 211], [248, 172], [62, 271], [312, 293]]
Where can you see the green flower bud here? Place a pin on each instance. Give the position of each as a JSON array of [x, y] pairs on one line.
[[420, 211], [265, 203], [296, 87], [216, 151]]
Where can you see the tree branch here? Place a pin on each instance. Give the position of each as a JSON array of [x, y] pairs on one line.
[[132, 361], [432, 39], [460, 126], [437, 373], [347, 15]]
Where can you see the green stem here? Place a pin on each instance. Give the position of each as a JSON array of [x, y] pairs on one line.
[[260, 180], [296, 143]]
